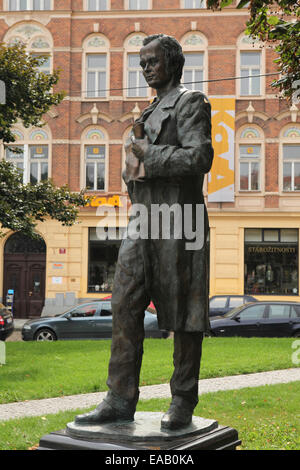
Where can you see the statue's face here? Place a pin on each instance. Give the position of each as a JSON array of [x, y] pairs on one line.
[[152, 61]]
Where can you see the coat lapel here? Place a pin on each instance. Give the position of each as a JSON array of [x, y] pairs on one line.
[[154, 123]]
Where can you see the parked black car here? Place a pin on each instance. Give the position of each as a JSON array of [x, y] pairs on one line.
[[6, 323], [221, 304], [272, 319], [91, 320]]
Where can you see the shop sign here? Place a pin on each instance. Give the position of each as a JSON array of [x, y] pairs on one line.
[[110, 201], [57, 266], [271, 249], [56, 280]]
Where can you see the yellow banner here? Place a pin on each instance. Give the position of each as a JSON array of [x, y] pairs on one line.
[[221, 176]]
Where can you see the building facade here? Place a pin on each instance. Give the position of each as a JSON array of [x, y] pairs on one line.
[[252, 195]]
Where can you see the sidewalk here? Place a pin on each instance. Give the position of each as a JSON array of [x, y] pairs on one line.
[[56, 405]]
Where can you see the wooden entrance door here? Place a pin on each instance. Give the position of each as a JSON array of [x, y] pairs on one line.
[[25, 274]]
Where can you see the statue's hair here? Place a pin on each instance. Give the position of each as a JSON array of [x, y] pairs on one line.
[[174, 57]]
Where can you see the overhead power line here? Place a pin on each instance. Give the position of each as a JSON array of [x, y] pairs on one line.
[[184, 83]]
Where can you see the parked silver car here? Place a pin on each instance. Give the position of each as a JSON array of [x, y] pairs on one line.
[[91, 320]]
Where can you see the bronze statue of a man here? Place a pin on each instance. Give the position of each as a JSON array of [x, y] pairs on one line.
[[173, 157]]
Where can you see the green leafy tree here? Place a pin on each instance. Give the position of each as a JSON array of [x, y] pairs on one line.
[[28, 92], [28, 96], [22, 205], [275, 22]]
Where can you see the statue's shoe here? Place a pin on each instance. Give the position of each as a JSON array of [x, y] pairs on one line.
[[176, 418], [104, 413]]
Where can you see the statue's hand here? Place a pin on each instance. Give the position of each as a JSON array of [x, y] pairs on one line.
[[139, 147]]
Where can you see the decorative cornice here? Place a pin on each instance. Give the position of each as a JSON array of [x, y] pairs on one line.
[[94, 115], [134, 114], [292, 114]]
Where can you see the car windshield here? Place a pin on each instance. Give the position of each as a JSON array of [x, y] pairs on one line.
[[233, 311]]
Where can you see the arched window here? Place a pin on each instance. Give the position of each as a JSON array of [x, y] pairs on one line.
[[250, 65], [34, 153], [95, 67], [37, 39], [94, 174], [290, 157], [194, 46], [20, 243], [250, 154], [134, 82]]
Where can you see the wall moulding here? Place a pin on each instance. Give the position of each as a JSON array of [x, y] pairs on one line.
[[16, 17]]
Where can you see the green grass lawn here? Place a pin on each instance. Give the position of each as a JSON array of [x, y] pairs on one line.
[[41, 369], [267, 418]]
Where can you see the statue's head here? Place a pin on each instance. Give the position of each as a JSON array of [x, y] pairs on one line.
[[168, 51]]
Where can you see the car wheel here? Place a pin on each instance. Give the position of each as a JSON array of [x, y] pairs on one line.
[[297, 334], [44, 334]]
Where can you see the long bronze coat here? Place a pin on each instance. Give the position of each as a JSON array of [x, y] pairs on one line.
[[179, 154]]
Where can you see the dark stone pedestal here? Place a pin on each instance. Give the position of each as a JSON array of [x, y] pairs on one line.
[[143, 434]]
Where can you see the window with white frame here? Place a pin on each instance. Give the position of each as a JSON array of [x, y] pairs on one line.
[[37, 40], [95, 167], [250, 156], [95, 156], [250, 69], [138, 4], [193, 71], [194, 3], [95, 67], [96, 75], [137, 85], [21, 5], [30, 154], [45, 63], [250, 160], [194, 46], [97, 5], [290, 149]]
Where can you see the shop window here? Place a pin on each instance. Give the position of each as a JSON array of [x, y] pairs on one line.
[[104, 244], [271, 261]]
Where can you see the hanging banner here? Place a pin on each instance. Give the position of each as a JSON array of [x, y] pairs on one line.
[[221, 177]]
